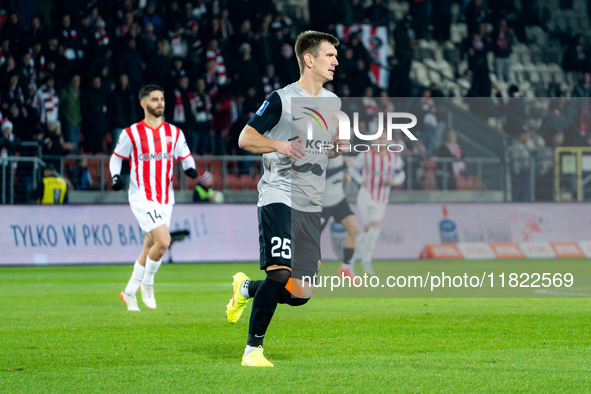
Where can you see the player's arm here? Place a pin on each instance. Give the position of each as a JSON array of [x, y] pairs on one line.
[[122, 151], [184, 154], [268, 115], [355, 167]]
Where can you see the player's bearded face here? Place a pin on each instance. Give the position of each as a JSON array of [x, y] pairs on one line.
[[155, 104]]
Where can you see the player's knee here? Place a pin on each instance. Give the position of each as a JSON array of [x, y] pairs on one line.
[[163, 245], [279, 275], [353, 230], [297, 301]]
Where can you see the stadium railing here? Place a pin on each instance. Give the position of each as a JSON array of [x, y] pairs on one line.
[[19, 177], [229, 172], [539, 174]]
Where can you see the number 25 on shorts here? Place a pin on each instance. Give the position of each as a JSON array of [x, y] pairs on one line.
[[285, 250], [156, 216]]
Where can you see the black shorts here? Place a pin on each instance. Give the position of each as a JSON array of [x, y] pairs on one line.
[[289, 237], [338, 212]]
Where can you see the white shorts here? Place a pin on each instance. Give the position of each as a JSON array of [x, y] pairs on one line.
[[151, 215], [371, 210]]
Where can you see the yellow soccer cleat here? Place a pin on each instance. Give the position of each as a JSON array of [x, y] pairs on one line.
[[237, 303], [256, 359]]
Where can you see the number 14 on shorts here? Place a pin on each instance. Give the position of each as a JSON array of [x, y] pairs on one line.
[[156, 216]]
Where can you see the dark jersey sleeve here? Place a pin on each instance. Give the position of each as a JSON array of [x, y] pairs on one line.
[[268, 114]]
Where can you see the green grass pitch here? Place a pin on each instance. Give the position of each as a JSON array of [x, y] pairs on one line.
[[64, 329]]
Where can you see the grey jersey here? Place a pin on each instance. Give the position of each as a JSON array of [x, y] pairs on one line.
[[333, 192], [298, 184]]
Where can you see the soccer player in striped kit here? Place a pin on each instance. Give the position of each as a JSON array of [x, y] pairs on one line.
[[151, 147], [377, 171]]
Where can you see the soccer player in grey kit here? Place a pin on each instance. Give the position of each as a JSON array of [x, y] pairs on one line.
[[290, 191]]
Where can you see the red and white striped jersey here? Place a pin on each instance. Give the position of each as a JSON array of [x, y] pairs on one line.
[[46, 102], [375, 169], [151, 153]]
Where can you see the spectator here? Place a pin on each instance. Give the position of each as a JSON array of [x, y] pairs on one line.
[[94, 116], [453, 170], [214, 54], [46, 101], [179, 107], [53, 189], [377, 14], [9, 143], [520, 157], [131, 64], [196, 49], [476, 14], [515, 112], [270, 81], [220, 124], [70, 112], [404, 36], [5, 53], [123, 108], [14, 104], [172, 17], [359, 79], [247, 71], [13, 31], [244, 35], [201, 107], [150, 17], [576, 57], [478, 46], [502, 46], [174, 74], [81, 176], [583, 89], [352, 12], [54, 144], [158, 66], [101, 38], [426, 112], [227, 31], [34, 34]]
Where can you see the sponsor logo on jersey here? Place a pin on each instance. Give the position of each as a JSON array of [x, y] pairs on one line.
[[262, 109], [155, 156], [315, 168]]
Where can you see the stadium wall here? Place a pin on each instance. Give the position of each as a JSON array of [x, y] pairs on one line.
[[99, 234]]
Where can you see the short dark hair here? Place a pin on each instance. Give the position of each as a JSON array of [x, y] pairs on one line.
[[146, 90], [309, 42]]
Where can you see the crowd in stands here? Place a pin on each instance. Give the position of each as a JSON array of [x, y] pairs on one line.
[[70, 70]]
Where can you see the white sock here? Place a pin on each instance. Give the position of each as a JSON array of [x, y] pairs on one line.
[[136, 278], [151, 268], [370, 243], [244, 289], [359, 246], [250, 349]]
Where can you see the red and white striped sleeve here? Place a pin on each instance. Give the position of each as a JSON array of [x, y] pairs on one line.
[[181, 149], [124, 145]]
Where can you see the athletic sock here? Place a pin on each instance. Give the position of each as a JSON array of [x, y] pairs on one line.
[[370, 243], [359, 245], [347, 257], [253, 286], [244, 288], [250, 349], [263, 307], [151, 268], [136, 278]]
